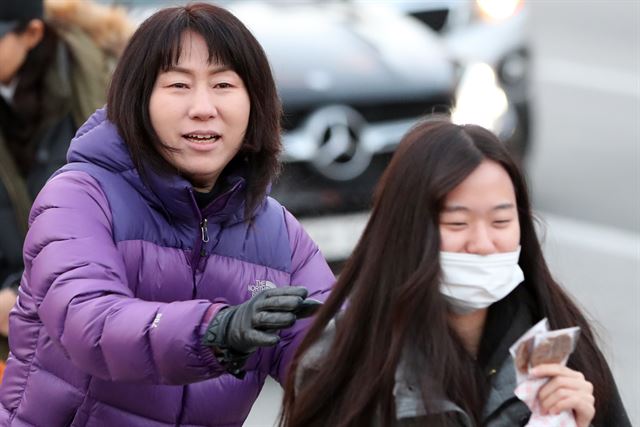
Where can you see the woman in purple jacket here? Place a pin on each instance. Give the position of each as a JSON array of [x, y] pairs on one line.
[[157, 274]]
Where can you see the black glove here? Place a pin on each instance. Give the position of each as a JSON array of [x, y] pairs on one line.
[[237, 331]]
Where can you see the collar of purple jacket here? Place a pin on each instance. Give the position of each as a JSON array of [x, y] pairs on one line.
[[98, 142]]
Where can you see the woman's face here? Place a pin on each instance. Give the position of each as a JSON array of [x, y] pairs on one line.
[[480, 215], [201, 110]]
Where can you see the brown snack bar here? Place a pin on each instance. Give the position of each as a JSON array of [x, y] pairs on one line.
[[552, 350], [523, 353]]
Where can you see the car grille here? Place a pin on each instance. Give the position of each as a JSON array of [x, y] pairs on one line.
[[376, 112], [307, 194], [308, 191]]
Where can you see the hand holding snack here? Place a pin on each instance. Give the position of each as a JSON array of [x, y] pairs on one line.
[[566, 390], [556, 395]]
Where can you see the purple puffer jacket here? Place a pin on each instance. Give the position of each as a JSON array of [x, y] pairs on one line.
[[120, 281]]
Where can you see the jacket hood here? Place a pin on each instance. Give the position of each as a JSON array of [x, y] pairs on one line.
[[107, 26], [98, 143]]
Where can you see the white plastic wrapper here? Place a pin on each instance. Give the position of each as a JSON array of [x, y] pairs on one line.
[[536, 347]]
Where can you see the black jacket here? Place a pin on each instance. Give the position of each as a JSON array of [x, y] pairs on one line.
[[47, 150], [507, 320]]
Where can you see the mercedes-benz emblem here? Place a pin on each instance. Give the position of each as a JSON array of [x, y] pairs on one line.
[[337, 130]]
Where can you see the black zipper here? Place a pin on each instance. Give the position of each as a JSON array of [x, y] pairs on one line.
[[199, 249], [204, 232]]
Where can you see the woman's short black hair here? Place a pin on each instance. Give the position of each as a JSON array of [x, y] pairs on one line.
[[156, 46]]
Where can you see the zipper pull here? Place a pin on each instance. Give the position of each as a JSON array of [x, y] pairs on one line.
[[205, 232]]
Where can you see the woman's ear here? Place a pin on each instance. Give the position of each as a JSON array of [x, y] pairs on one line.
[[33, 34]]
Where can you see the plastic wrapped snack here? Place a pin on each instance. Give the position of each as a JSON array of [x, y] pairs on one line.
[[539, 346]]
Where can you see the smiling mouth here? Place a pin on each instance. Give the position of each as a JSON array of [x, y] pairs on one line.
[[202, 139]]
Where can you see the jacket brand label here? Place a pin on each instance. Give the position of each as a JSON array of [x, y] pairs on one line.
[[259, 286], [156, 321]]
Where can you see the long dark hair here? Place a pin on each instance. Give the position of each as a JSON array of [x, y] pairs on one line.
[[156, 46], [391, 287], [28, 106]]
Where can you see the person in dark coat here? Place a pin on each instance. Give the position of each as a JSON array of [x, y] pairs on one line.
[[162, 284], [55, 62], [447, 275]]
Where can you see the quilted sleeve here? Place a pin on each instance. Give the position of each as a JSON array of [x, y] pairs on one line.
[[308, 269], [76, 286]]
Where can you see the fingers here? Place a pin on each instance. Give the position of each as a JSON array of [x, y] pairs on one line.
[[279, 303], [274, 309], [260, 338], [560, 395], [272, 320], [583, 408], [566, 390], [309, 307], [552, 370], [564, 378], [297, 291], [287, 298]]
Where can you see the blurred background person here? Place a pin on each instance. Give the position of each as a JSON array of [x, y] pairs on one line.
[[55, 61]]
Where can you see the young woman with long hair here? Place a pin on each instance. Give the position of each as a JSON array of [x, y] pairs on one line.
[[418, 327]]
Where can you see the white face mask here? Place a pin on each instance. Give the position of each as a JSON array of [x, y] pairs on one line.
[[471, 282]]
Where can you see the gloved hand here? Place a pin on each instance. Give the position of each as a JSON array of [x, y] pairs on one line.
[[256, 322]]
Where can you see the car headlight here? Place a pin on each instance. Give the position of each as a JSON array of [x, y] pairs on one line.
[[497, 10], [479, 99]]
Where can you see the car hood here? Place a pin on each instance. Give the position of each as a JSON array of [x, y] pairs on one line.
[[337, 52]]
